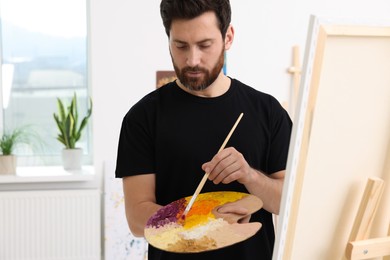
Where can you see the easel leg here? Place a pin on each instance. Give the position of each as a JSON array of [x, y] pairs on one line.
[[360, 246]]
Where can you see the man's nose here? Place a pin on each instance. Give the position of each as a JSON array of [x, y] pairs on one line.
[[193, 57]]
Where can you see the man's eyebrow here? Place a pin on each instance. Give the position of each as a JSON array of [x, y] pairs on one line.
[[179, 41]]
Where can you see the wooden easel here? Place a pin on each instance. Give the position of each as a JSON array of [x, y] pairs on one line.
[[360, 246], [295, 70]]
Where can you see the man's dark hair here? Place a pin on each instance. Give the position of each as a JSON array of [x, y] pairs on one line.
[[189, 9]]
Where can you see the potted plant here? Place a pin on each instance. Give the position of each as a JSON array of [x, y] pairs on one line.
[[8, 143], [70, 131]]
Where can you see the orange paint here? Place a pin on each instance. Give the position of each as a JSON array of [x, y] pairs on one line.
[[201, 210]]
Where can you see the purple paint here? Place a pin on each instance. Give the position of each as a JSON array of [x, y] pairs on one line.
[[167, 214]]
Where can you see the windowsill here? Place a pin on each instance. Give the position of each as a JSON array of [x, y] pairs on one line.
[[48, 174]]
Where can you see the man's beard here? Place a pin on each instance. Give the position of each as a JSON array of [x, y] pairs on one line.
[[199, 83]]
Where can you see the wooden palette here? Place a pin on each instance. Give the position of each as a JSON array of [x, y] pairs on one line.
[[203, 228]]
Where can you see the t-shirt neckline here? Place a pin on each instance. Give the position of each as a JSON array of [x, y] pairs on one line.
[[192, 97]]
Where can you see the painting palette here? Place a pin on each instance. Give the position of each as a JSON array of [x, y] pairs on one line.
[[203, 228]]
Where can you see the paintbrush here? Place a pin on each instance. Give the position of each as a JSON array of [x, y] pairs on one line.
[[205, 177]]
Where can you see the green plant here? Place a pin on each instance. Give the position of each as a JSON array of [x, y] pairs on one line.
[[9, 140], [67, 122]]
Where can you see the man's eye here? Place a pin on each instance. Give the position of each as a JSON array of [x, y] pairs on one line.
[[205, 46], [181, 46]]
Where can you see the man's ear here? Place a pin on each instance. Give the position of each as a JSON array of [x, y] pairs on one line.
[[229, 37]]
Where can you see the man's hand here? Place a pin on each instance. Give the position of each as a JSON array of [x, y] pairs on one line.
[[232, 213], [227, 166], [230, 165]]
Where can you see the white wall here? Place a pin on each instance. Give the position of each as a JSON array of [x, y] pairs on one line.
[[128, 45]]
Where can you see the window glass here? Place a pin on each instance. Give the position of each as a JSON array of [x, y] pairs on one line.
[[43, 56]]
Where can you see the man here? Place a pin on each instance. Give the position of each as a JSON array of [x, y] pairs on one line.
[[170, 138]]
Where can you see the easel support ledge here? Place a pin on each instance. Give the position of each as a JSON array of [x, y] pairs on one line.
[[369, 248]]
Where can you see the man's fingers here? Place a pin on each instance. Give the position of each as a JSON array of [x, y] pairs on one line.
[[231, 208]]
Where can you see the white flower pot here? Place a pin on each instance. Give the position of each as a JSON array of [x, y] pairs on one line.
[[7, 164], [72, 158]]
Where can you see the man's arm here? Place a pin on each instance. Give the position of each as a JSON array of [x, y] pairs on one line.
[[268, 188], [140, 201], [230, 165]]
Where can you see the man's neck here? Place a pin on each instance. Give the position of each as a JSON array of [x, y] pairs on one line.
[[219, 87]]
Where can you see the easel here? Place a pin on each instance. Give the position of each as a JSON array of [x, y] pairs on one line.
[[360, 246], [295, 70]]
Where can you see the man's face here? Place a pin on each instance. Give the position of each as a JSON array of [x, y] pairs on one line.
[[197, 51]]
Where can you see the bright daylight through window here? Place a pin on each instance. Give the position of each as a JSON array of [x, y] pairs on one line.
[[43, 57]]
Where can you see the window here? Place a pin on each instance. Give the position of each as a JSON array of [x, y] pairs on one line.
[[43, 56]]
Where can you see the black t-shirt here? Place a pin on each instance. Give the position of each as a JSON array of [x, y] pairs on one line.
[[172, 133]]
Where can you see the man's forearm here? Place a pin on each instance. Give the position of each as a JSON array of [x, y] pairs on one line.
[[267, 188], [138, 215]]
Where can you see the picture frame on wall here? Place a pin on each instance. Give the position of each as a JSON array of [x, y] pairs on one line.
[[164, 76]]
